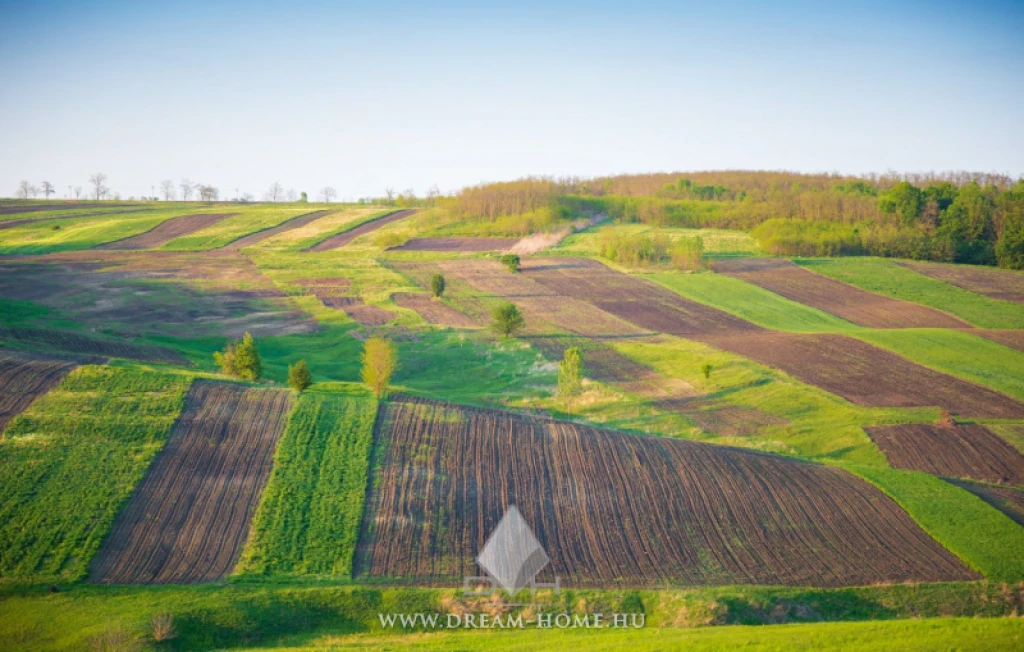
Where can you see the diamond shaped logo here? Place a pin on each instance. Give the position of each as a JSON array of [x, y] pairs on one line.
[[513, 556]]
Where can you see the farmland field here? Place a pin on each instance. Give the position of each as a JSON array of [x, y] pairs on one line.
[[995, 283], [166, 232], [458, 244], [23, 377], [188, 519], [347, 236], [449, 473]]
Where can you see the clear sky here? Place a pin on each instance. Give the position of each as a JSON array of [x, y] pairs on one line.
[[362, 96]]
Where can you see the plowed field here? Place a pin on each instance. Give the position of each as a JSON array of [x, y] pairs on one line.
[[23, 377], [458, 244], [346, 237], [1008, 501], [188, 519], [835, 297], [617, 510], [957, 451], [259, 236], [83, 344], [434, 311], [996, 283], [166, 231]]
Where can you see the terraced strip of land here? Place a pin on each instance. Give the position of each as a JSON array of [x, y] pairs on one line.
[[187, 521], [24, 377], [259, 236], [342, 239], [857, 371], [36, 208], [458, 244], [10, 224], [55, 340], [840, 299], [618, 510], [989, 281], [434, 310], [952, 451], [1008, 501], [166, 231]]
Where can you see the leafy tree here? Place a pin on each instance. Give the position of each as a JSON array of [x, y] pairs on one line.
[[706, 369], [437, 285], [247, 359], [570, 376], [1010, 248], [380, 360], [904, 200], [299, 377], [226, 360], [511, 261], [303, 198], [967, 226], [507, 319]]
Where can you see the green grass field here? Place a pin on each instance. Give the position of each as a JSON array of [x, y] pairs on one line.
[[884, 276], [71, 460], [308, 521], [247, 220]]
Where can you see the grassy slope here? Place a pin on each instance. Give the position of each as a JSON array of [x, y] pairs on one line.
[[217, 617], [72, 209], [884, 276], [958, 353], [316, 231], [985, 538], [70, 460], [247, 220], [84, 232], [752, 303], [308, 520], [717, 242]]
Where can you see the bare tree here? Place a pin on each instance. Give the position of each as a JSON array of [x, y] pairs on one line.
[[167, 188], [292, 195], [328, 193], [389, 192], [275, 192], [98, 182], [186, 189], [246, 198], [33, 190], [207, 192], [48, 189], [23, 189], [78, 192]]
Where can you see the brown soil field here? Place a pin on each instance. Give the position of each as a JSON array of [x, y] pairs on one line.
[[952, 451], [990, 281], [188, 519], [259, 236], [614, 510], [721, 418], [35, 208], [867, 375], [840, 299], [1012, 339], [10, 224], [24, 377], [330, 293], [342, 239], [458, 244], [1008, 501], [84, 344], [433, 310], [460, 294], [140, 293], [164, 232]]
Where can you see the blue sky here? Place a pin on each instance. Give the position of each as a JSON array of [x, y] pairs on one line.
[[362, 96]]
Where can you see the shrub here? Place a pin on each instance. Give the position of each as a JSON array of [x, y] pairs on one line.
[[570, 376], [511, 261], [299, 377], [437, 285], [391, 239], [240, 359], [507, 320], [162, 627]]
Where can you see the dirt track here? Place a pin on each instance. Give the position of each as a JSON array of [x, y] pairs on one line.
[[342, 239], [840, 299], [615, 510], [166, 231], [188, 519], [259, 236], [458, 244], [957, 451], [990, 281]]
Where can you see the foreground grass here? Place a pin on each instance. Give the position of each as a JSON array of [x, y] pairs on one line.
[[308, 520], [69, 462], [935, 634], [958, 353], [750, 302], [982, 536], [210, 617], [884, 276]]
